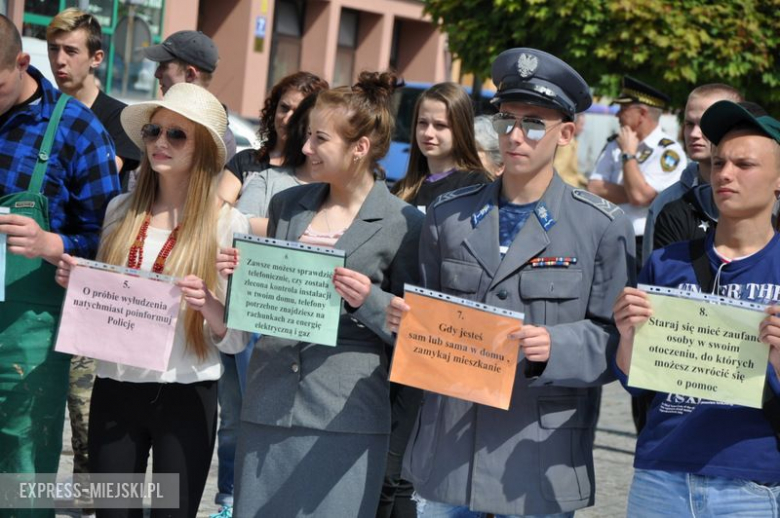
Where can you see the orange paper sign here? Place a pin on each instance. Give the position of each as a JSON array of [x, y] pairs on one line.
[[456, 348]]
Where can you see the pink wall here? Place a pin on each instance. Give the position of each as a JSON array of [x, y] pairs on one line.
[[241, 77]]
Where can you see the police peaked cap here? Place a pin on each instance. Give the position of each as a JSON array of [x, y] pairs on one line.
[[535, 77], [635, 91]]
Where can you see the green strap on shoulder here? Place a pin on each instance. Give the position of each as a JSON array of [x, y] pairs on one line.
[[36, 183]]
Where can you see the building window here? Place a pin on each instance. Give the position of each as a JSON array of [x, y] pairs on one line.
[[347, 43], [41, 7], [286, 42]]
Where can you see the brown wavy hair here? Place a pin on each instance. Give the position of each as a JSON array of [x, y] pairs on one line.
[[304, 82]]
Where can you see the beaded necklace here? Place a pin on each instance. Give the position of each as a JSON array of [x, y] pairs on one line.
[[135, 257]]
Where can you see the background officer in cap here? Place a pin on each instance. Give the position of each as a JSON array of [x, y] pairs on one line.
[[526, 242], [641, 160], [188, 57]]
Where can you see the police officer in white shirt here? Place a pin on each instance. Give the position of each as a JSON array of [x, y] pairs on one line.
[[641, 160]]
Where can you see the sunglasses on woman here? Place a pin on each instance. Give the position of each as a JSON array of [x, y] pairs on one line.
[[175, 137], [533, 129]]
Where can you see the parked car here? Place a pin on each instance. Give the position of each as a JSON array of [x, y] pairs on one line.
[[244, 131]]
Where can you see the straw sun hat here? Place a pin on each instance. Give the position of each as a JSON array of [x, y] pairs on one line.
[[188, 100]]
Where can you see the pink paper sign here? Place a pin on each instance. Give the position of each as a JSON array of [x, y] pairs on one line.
[[119, 318]]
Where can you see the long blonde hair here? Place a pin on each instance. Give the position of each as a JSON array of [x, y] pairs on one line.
[[192, 254]]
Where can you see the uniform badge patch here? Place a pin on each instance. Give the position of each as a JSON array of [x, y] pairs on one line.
[[665, 142], [669, 160], [526, 65], [544, 216], [644, 155], [480, 214]]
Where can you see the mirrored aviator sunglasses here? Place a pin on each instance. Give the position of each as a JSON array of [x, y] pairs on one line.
[[175, 137], [533, 129]]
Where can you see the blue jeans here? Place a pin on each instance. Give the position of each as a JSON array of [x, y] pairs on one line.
[[231, 395], [656, 493], [431, 509]]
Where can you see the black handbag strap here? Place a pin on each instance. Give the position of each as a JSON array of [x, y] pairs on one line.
[[701, 267]]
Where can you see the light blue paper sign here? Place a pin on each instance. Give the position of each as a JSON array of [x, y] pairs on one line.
[[3, 210]]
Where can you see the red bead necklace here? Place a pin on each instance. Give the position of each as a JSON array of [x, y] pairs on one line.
[[135, 257]]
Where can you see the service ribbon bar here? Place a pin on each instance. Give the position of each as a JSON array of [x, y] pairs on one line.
[[464, 302], [126, 271], [706, 297], [288, 244]]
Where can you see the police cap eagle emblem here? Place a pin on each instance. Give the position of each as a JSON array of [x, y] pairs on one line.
[[526, 65]]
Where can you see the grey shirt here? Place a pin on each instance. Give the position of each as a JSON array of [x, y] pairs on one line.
[[261, 187]]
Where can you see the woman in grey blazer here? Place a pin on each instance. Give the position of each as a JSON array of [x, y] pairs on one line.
[[316, 419]]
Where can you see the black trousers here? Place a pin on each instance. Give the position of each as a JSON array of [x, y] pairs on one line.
[[395, 501], [177, 421]]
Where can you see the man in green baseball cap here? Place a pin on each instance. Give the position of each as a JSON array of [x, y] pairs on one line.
[[724, 457]]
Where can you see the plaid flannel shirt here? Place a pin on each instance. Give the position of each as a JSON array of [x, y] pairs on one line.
[[81, 176]]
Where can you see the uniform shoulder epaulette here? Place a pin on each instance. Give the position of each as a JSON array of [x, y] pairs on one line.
[[612, 137], [666, 142], [606, 207], [457, 193]]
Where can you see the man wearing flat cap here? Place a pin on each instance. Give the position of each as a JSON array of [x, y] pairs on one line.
[[641, 160], [188, 57], [530, 243], [697, 454]]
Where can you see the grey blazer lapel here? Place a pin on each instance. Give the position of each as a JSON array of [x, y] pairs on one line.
[[532, 239], [368, 220], [305, 211], [482, 241]]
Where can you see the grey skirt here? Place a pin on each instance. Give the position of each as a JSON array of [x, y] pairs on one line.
[[300, 472]]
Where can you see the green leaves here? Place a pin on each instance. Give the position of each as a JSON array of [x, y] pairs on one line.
[[674, 45]]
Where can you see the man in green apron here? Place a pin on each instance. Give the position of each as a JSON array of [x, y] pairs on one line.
[[57, 174]]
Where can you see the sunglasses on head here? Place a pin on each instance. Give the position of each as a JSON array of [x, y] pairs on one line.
[[151, 132], [533, 128]]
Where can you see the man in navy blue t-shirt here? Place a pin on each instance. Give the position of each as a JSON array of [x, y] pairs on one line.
[[697, 457]]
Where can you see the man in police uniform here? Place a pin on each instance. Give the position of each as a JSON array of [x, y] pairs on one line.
[[527, 242], [641, 160]]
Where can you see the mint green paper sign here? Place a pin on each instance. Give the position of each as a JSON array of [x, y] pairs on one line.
[[3, 242], [284, 289], [702, 346]]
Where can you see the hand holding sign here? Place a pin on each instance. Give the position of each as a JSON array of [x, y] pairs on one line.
[[769, 333], [227, 261], [631, 309], [64, 267], [353, 286], [534, 341]]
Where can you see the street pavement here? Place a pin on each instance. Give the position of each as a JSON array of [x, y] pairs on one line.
[[615, 441]]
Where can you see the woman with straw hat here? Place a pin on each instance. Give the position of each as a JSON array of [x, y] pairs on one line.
[[160, 227]]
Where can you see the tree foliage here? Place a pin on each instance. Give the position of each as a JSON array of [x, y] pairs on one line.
[[673, 45]]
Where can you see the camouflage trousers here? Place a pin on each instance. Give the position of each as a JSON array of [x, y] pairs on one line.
[[82, 377]]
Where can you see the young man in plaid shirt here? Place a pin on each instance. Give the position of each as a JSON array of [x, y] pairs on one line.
[[59, 209]]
